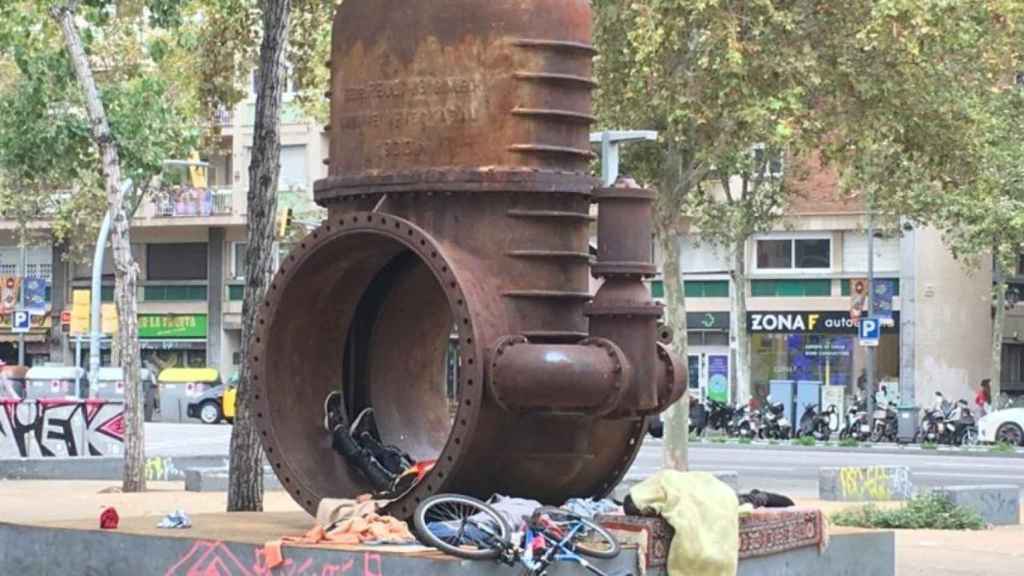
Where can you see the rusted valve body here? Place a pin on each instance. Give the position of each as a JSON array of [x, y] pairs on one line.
[[458, 196]]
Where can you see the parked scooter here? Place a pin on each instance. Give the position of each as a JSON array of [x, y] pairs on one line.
[[720, 414], [776, 425], [857, 426], [746, 423], [815, 424], [961, 429], [698, 417], [886, 421]]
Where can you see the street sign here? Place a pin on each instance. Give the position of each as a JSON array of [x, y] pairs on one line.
[[21, 322], [870, 330]]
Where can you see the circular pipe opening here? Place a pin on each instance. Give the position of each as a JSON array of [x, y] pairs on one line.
[[371, 308]]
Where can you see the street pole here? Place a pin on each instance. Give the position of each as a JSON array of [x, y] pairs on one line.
[[95, 302], [610, 141], [870, 357], [22, 274]]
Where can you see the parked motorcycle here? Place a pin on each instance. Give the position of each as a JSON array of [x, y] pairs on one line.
[[816, 424], [886, 421], [856, 425], [776, 425], [720, 414], [746, 423], [698, 417]]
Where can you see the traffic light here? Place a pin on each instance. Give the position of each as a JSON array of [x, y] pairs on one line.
[[284, 218]]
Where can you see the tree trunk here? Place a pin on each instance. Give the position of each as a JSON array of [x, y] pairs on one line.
[[126, 271], [739, 337], [998, 324], [245, 482], [677, 417]]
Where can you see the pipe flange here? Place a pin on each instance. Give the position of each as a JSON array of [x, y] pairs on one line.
[[462, 302]]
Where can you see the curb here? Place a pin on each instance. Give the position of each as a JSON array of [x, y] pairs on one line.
[[883, 449], [157, 468]]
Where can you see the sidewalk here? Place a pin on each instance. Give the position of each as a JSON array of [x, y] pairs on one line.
[[44, 501], [997, 552]]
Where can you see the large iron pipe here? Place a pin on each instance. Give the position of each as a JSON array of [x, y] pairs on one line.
[[589, 378], [458, 213]]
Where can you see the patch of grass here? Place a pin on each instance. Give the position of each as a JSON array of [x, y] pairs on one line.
[[719, 440], [849, 443], [1002, 448], [774, 442], [746, 440], [929, 446], [805, 441], [924, 512]]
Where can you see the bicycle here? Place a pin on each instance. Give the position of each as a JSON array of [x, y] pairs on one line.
[[469, 528]]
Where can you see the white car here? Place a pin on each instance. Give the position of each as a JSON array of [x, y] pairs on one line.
[[1003, 426]]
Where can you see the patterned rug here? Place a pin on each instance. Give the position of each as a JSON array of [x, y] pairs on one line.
[[763, 532], [773, 530]]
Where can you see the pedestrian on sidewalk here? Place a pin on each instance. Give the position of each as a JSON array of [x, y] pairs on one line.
[[984, 397]]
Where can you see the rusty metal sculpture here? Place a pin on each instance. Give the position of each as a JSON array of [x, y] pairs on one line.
[[459, 207]]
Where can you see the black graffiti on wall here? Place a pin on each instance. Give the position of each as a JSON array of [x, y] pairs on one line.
[[53, 428]]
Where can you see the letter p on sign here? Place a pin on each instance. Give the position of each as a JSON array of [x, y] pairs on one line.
[[21, 322], [870, 330]]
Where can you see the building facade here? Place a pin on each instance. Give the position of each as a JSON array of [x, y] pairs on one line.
[[805, 276], [189, 242]]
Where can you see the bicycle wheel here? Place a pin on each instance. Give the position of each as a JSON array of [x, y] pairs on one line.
[[590, 540], [461, 526]]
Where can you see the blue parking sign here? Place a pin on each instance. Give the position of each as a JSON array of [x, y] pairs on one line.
[[21, 321], [870, 330]]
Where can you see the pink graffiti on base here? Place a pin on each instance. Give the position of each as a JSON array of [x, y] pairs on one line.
[[214, 558]]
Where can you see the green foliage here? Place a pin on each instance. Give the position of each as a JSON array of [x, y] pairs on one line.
[[746, 440], [49, 166], [806, 441], [925, 512], [719, 440], [929, 446], [849, 443], [1003, 448], [715, 79]]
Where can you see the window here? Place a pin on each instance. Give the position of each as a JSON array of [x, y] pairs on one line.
[[293, 168], [775, 254], [706, 288], [794, 254], [174, 293], [896, 283], [774, 167], [238, 260], [784, 288], [176, 261], [236, 292], [812, 253]]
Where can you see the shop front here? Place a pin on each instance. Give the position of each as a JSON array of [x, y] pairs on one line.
[[37, 347], [814, 353], [708, 358], [173, 341]]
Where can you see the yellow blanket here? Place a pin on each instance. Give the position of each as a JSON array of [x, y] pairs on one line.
[[705, 515]]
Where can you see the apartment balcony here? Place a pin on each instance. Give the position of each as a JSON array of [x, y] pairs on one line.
[[188, 202], [185, 205]]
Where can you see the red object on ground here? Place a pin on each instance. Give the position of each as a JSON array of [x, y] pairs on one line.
[[109, 519]]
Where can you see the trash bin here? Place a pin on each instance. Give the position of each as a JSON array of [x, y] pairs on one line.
[[52, 382], [110, 386], [907, 424], [181, 386], [12, 382]]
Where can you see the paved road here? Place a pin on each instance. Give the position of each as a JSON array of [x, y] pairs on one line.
[[787, 471], [795, 472]]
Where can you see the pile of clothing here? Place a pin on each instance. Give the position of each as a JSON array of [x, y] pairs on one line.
[[345, 522]]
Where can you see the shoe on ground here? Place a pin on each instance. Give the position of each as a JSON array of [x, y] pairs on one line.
[[334, 415], [364, 423]]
